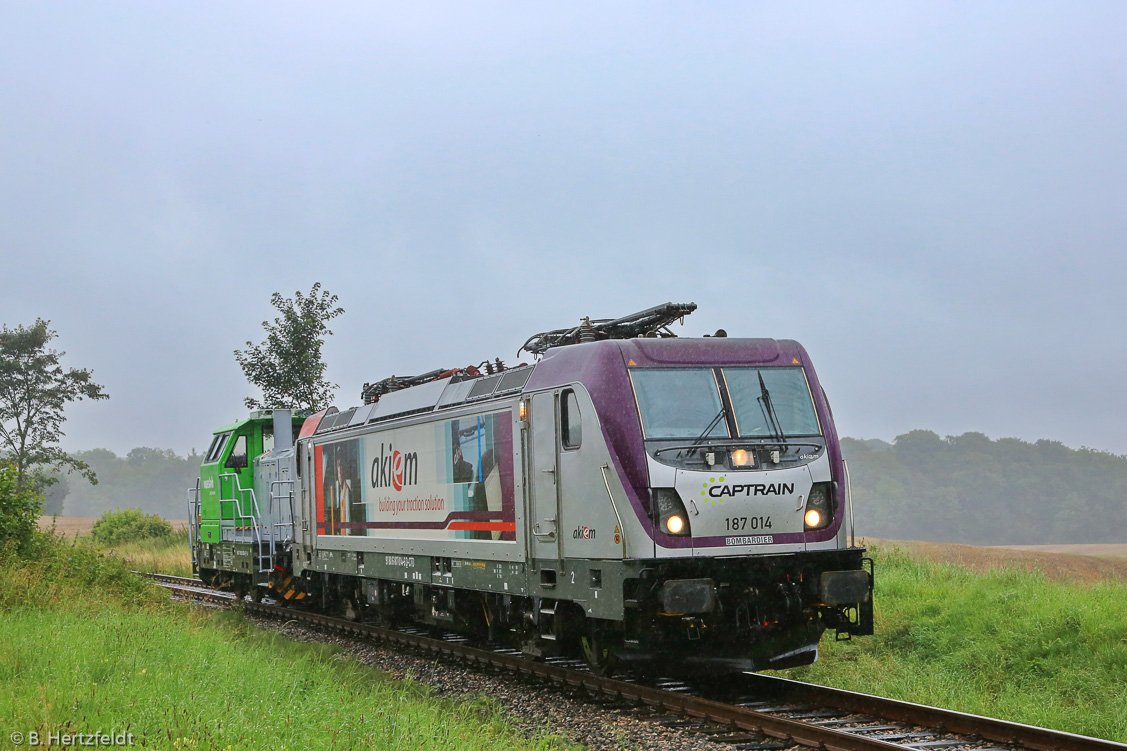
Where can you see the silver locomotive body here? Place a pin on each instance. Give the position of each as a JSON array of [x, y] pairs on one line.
[[677, 504]]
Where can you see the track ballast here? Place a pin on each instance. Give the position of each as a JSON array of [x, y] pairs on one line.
[[752, 711]]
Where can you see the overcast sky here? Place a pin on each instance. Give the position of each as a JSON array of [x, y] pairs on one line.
[[931, 197]]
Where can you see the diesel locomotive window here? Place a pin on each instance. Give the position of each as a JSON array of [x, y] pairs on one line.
[[679, 403], [210, 450], [571, 424], [238, 456], [216, 449], [761, 396]]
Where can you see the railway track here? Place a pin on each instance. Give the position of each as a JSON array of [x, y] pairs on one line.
[[190, 589], [752, 711]]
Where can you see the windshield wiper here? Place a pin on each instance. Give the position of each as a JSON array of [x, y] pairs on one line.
[[768, 409], [700, 438]]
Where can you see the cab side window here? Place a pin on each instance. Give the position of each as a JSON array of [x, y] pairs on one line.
[[216, 449], [571, 422], [238, 457], [210, 450]]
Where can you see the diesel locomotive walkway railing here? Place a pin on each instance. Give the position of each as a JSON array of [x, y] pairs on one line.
[[282, 531], [194, 523], [246, 527]]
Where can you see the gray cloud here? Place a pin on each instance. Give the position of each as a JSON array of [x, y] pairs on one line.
[[930, 197]]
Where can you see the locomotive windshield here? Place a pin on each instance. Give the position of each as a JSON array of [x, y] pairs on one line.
[[679, 403], [789, 395], [684, 403]]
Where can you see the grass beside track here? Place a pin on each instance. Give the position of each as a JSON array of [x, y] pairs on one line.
[[160, 555], [85, 646], [1006, 643]]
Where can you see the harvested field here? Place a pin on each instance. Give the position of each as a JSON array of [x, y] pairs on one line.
[[72, 526], [1083, 563], [1115, 550]]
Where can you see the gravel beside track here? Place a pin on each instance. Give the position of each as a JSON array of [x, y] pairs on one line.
[[777, 713], [531, 706]]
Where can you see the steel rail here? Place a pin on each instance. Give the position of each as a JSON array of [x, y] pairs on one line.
[[190, 588], [729, 715], [188, 581], [950, 721], [687, 705]]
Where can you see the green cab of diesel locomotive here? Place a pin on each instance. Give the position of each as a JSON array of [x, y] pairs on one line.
[[226, 492]]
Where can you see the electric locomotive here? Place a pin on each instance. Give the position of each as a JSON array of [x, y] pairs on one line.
[[676, 505]]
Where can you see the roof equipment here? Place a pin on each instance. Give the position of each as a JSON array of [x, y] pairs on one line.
[[653, 322]]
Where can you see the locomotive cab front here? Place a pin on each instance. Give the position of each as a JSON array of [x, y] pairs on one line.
[[737, 458], [748, 505]]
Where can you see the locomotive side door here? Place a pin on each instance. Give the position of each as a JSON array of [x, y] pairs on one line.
[[544, 511], [308, 507]]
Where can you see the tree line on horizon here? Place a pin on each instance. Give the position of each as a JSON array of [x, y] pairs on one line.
[[920, 486], [156, 481], [971, 489]]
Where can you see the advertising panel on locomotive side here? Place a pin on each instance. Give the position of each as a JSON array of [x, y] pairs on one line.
[[444, 480]]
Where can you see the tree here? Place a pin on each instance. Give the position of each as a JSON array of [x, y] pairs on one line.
[[128, 525], [34, 390], [19, 508], [288, 365]]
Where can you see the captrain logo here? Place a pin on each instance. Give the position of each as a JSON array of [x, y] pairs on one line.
[[716, 490], [708, 486], [394, 468]]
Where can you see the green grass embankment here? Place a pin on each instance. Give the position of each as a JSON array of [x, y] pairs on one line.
[[1004, 643], [86, 647], [170, 554]]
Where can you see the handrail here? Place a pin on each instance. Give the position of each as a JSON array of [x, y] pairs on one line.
[[240, 493], [194, 523], [268, 537], [238, 486], [613, 505], [280, 495]]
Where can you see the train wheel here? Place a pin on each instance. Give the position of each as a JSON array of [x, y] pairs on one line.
[[256, 593], [597, 652], [209, 576], [351, 609]]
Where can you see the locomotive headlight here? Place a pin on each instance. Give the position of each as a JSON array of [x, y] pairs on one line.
[[741, 457], [819, 506], [669, 512]]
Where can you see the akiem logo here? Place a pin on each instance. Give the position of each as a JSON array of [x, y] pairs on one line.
[[394, 468], [716, 490]]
